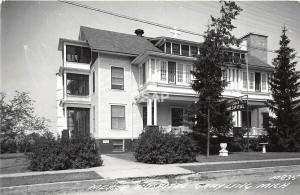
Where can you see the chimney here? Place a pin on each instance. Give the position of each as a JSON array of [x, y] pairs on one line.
[[256, 45], [139, 32]]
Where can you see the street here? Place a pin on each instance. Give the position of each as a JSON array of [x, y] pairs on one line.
[[255, 182]]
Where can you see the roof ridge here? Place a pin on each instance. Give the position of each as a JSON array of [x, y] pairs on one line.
[[111, 31]]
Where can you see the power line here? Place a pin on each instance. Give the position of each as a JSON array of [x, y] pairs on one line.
[[129, 17], [148, 22]]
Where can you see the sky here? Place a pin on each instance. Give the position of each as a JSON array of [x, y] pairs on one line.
[[30, 32]]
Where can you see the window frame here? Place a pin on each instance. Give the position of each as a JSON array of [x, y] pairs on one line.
[[80, 55], [188, 50], [266, 82], [188, 73], [123, 145], [111, 77], [182, 73], [244, 80], [111, 116], [85, 77], [166, 71]]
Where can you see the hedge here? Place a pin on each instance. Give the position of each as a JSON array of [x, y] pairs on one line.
[[49, 153], [154, 146]]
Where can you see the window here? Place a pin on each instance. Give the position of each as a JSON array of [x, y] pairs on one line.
[[152, 66], [78, 54], [118, 117], [117, 78], [172, 72], [185, 50], [236, 58], [263, 82], [188, 73], [180, 73], [168, 47], [243, 60], [175, 49], [177, 116], [144, 72], [251, 80], [78, 121], [245, 80], [194, 51], [163, 71], [77, 84], [94, 81], [257, 81], [228, 57], [118, 145]]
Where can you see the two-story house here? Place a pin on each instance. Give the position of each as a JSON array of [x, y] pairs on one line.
[[112, 84]]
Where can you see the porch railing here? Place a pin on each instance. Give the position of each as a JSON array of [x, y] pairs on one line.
[[175, 130]]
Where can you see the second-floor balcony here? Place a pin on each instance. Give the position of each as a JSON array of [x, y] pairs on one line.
[[174, 76]]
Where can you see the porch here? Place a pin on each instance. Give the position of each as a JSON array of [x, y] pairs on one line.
[[169, 113]]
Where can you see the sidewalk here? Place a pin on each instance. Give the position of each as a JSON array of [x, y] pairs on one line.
[[116, 168]]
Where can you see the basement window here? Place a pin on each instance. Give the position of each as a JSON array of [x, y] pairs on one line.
[[118, 145]]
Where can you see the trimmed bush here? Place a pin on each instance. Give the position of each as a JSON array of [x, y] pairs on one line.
[[49, 153], [154, 146]]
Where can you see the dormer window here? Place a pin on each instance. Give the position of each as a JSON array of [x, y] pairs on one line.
[[78, 54], [185, 50], [194, 51], [175, 49], [168, 47]]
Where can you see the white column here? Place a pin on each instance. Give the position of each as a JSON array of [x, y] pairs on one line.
[[155, 111], [65, 118], [239, 118], [149, 111]]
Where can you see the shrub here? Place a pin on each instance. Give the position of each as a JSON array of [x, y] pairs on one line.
[[154, 146], [49, 153]]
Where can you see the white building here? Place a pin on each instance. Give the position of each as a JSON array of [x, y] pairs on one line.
[[112, 84]]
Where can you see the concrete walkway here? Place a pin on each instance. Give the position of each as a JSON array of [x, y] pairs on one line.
[[116, 168]]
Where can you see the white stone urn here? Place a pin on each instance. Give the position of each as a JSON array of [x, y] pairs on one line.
[[223, 151]]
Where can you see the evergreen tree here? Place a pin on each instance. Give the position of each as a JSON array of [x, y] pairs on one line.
[[284, 132], [208, 70]]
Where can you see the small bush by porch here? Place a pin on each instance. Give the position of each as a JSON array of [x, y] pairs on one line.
[[155, 146]]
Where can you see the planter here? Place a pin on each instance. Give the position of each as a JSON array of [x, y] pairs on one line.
[[223, 151]]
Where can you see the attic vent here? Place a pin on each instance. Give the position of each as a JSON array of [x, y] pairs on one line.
[[139, 32]]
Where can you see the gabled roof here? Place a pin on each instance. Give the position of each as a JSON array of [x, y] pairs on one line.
[[103, 40]]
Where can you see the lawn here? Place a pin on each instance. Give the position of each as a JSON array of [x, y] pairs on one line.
[[238, 156], [233, 166], [13, 163], [48, 178], [248, 156]]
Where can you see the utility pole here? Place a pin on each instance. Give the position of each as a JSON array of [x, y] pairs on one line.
[[247, 69], [208, 128]]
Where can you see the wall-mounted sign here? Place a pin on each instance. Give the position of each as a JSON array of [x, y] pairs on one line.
[[106, 141]]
